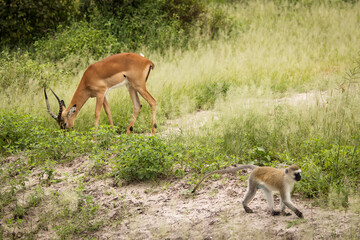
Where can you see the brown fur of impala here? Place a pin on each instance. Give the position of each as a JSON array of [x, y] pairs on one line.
[[129, 69]]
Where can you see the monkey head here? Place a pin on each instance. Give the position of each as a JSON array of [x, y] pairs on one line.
[[294, 171]]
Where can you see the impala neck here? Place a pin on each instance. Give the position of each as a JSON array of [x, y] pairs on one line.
[[79, 99]]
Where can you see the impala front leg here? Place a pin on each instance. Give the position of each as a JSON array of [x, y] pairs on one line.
[[108, 111], [99, 104]]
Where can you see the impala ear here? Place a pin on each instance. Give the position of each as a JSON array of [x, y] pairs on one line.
[[62, 103], [62, 107], [71, 111]]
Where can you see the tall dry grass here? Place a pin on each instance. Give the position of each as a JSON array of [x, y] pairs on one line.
[[273, 47]]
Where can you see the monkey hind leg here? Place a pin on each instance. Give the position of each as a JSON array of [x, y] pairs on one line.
[[252, 188]]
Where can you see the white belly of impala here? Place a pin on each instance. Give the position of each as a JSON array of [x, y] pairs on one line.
[[123, 83]]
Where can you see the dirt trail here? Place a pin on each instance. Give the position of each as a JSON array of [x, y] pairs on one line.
[[167, 210], [192, 122]]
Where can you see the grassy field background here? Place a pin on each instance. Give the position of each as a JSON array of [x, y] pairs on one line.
[[263, 53]]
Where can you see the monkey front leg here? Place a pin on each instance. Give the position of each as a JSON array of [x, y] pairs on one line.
[[285, 200], [282, 206]]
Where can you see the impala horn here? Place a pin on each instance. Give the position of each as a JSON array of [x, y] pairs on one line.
[[61, 104]]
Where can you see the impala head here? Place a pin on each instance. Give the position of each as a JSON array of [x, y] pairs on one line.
[[63, 118]]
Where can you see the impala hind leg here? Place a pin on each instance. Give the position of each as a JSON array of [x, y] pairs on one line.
[[136, 108], [152, 102]]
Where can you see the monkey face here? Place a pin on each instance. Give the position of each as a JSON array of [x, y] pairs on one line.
[[297, 176]]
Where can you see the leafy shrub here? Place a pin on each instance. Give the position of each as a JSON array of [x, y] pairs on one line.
[[16, 131], [21, 74], [315, 182], [78, 39], [138, 24], [105, 137], [139, 158], [22, 20], [24, 132], [59, 145], [334, 167], [187, 11]]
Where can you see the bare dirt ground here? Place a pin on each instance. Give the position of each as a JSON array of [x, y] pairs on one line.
[[167, 210]]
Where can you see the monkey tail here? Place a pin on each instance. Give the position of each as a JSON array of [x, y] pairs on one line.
[[226, 170]]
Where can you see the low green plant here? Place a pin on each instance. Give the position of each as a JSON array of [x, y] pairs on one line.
[[79, 221], [105, 137], [48, 171], [139, 158], [35, 197], [329, 173], [16, 131], [81, 38], [58, 145]]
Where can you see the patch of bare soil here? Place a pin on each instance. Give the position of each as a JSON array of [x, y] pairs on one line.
[[167, 210]]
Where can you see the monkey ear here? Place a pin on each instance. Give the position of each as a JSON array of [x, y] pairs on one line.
[[71, 111], [286, 171]]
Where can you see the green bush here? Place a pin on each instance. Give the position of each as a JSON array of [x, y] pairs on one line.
[[58, 145], [21, 73], [24, 132], [16, 131], [80, 39], [139, 158], [138, 24], [335, 166], [187, 11], [23, 20], [116, 26]]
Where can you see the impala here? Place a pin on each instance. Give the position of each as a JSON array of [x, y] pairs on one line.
[[129, 69]]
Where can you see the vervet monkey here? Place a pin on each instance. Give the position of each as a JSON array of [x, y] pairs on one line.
[[268, 179]]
